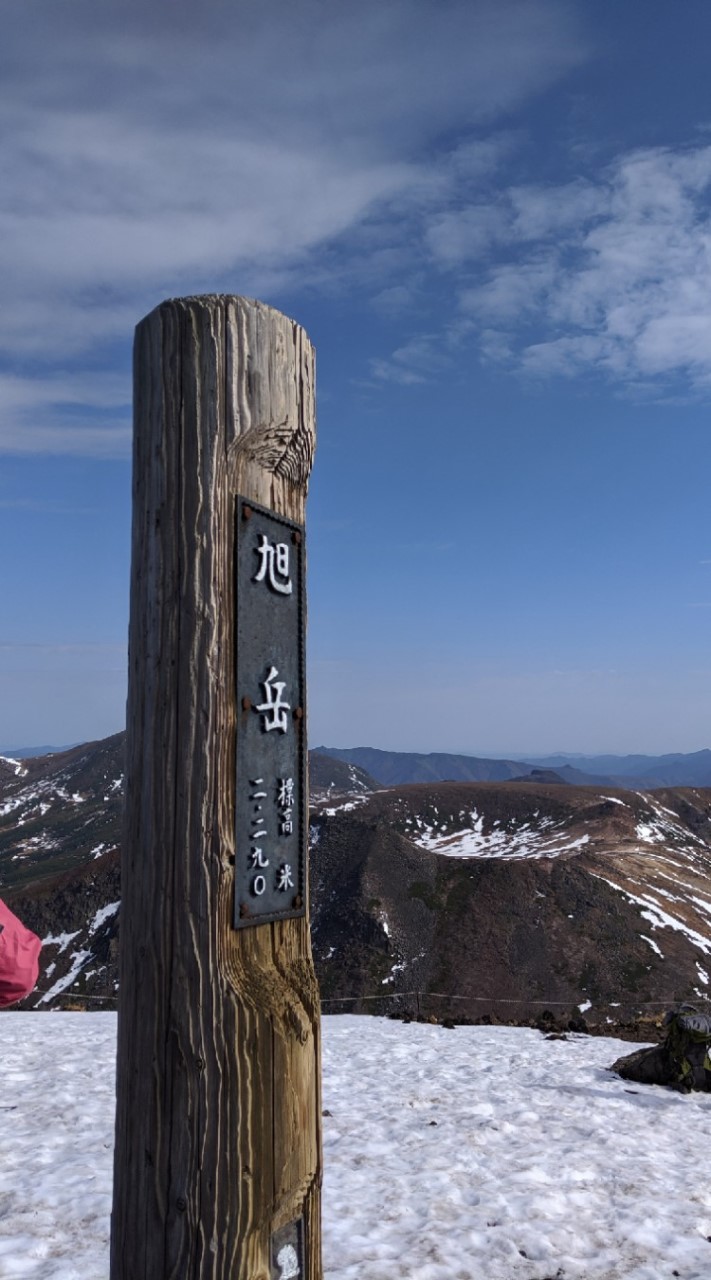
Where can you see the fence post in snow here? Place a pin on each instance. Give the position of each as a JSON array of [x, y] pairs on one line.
[[218, 1139]]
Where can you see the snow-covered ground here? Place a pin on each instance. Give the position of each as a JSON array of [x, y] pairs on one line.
[[481, 1153]]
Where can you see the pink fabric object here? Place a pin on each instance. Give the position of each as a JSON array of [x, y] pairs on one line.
[[19, 958]]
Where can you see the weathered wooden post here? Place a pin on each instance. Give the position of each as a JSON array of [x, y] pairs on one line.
[[217, 1164]]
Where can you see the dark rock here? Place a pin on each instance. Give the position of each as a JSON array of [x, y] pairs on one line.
[[646, 1066]]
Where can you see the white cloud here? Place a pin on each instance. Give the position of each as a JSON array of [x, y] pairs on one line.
[[222, 147], [610, 273], [624, 285]]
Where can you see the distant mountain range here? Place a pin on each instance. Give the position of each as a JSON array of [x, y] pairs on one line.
[[393, 768], [678, 769]]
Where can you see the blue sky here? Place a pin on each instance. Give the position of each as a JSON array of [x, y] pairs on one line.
[[493, 220]]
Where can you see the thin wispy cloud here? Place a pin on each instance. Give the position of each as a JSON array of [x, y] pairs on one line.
[[78, 647], [412, 363], [46, 508], [63, 414]]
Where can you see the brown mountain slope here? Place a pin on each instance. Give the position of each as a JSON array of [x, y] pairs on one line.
[[59, 811], [553, 894]]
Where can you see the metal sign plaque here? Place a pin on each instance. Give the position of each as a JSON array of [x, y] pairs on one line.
[[271, 804], [288, 1252]]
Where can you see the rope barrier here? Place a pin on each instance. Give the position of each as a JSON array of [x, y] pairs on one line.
[[439, 995], [544, 1004], [68, 995]]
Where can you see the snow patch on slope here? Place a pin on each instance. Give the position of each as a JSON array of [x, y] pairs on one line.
[[78, 960], [102, 915], [45, 793], [540, 838], [658, 917], [657, 827], [20, 769], [346, 806]]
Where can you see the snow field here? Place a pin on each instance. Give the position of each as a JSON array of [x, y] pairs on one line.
[[539, 1163], [57, 1105], [481, 1153]]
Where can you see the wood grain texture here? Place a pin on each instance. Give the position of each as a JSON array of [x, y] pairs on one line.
[[218, 1138]]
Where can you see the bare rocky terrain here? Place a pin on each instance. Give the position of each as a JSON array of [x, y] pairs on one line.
[[466, 900], [60, 833], [516, 898]]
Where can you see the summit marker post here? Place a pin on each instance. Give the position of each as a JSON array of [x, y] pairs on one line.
[[218, 1140]]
